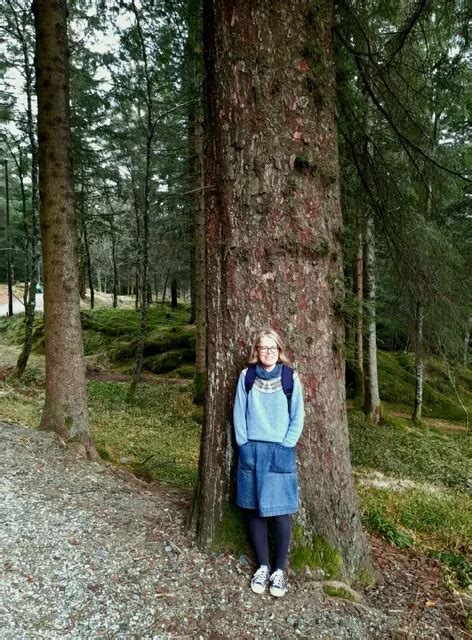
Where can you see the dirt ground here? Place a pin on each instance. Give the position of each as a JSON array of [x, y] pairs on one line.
[[91, 551]]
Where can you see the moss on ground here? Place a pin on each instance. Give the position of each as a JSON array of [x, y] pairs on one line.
[[338, 592], [317, 555], [430, 520], [232, 532], [170, 360]]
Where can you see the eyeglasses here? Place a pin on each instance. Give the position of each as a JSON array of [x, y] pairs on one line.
[[268, 349]]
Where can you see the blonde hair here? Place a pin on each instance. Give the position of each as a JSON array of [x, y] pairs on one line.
[[268, 333]]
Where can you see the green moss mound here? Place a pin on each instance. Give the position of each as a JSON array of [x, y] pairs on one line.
[[317, 555], [166, 362], [232, 532]]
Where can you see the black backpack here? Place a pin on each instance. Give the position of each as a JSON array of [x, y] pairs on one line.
[[287, 381]]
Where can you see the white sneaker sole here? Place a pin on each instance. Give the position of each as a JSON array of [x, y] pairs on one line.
[[278, 593], [257, 588]]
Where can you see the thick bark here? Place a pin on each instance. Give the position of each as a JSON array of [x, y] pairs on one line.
[[65, 407], [372, 406], [416, 417], [273, 248]]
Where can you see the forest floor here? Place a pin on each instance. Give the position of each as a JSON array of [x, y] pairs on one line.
[[90, 551]]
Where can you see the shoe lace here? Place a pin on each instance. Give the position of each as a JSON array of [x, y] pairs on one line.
[[277, 579], [261, 575]]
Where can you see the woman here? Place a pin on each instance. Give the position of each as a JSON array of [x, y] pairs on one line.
[[268, 421]]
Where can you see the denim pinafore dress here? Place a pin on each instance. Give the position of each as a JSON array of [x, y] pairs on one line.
[[267, 478]]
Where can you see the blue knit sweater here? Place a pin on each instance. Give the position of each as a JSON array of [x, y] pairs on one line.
[[263, 415]]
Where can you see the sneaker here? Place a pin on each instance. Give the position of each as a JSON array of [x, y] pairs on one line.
[[278, 584], [260, 579]]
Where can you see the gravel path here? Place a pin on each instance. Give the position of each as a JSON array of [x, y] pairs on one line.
[[89, 554]]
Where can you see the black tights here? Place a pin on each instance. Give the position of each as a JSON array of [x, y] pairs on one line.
[[258, 533]]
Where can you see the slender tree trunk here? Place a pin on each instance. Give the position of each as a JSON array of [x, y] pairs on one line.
[[164, 289], [416, 417], [84, 261], [273, 250], [359, 328], [173, 293], [137, 217], [372, 406], [8, 238], [29, 298], [144, 247], [65, 407], [467, 341], [88, 263], [32, 262], [200, 267], [136, 288], [198, 282], [115, 267], [26, 229]]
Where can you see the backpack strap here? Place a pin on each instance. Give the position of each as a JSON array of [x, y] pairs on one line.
[[250, 377], [287, 384]]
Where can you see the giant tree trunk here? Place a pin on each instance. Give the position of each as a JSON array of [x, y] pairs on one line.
[[65, 406], [273, 249], [372, 406]]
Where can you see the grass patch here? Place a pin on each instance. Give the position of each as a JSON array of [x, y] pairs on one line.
[[440, 520], [458, 567], [377, 523], [399, 448], [157, 435]]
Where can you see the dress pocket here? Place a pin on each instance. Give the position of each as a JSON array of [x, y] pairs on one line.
[[247, 458], [283, 459]]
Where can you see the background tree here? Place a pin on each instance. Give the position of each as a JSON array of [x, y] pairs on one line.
[[65, 406]]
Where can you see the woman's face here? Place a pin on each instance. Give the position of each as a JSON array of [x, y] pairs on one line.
[[268, 352]]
